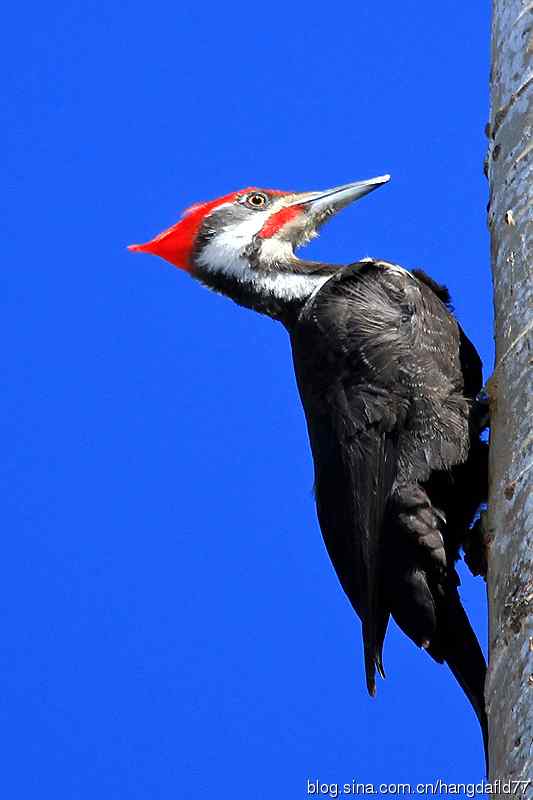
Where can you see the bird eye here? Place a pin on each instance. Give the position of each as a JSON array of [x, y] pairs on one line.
[[257, 200]]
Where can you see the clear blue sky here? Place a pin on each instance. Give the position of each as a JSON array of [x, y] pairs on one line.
[[171, 626]]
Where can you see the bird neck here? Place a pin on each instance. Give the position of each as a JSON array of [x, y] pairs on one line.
[[277, 289]]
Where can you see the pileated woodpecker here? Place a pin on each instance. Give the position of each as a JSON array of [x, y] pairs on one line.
[[388, 382]]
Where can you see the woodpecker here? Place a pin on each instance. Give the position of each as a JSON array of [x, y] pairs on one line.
[[388, 382]]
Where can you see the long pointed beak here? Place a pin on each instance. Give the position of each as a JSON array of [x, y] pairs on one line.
[[339, 197]]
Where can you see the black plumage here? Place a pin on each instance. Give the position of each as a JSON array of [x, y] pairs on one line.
[[388, 382]]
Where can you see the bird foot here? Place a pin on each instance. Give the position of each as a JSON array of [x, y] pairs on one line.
[[481, 410], [475, 547]]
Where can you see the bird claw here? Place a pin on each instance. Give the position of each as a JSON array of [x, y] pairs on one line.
[[481, 410], [475, 547]]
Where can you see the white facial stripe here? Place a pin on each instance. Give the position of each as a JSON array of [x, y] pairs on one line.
[[243, 232], [276, 250], [224, 254], [287, 286]]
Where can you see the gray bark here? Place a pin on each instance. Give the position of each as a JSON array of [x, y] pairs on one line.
[[509, 689]]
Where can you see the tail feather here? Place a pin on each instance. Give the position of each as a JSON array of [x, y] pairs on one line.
[[457, 645], [424, 599]]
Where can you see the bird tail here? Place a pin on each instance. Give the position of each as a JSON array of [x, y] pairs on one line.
[[425, 600], [457, 645]]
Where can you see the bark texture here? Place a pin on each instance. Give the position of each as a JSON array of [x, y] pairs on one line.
[[509, 688]]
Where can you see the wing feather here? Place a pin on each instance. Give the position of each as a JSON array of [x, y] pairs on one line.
[[372, 371]]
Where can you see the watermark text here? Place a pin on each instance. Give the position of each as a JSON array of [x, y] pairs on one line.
[[436, 788]]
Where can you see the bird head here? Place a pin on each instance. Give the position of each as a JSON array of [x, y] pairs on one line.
[[248, 238]]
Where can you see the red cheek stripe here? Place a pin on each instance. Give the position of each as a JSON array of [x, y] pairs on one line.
[[278, 220]]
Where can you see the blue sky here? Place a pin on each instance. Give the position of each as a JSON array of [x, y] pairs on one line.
[[172, 627]]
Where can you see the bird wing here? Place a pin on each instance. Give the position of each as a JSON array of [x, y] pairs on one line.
[[374, 358]]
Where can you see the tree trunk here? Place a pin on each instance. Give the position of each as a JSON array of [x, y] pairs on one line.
[[509, 689]]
